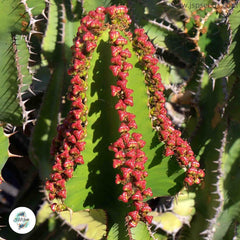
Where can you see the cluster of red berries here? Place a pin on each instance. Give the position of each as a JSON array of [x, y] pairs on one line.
[[174, 144], [129, 157], [69, 143], [119, 16]]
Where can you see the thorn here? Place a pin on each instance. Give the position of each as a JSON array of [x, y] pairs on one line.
[[31, 91], [27, 112], [33, 21], [8, 135], [24, 84], [63, 223], [14, 155], [219, 176], [206, 66], [33, 32], [27, 122], [31, 60], [44, 15], [36, 79], [71, 213], [205, 232], [217, 210], [210, 220], [213, 84], [30, 9], [20, 94], [215, 192], [161, 1], [31, 52], [31, 70]]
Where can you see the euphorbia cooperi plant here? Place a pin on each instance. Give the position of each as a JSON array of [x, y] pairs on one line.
[[129, 148]]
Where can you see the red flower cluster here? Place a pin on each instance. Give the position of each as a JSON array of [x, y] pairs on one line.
[[119, 15], [129, 157], [69, 143], [174, 144]]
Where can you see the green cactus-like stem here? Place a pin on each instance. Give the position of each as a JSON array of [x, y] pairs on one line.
[[69, 144], [130, 158], [174, 144]]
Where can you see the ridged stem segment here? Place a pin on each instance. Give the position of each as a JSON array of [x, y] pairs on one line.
[[69, 143], [129, 156], [174, 144]]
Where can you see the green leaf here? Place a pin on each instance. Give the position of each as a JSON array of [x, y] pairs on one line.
[[93, 223], [4, 144]]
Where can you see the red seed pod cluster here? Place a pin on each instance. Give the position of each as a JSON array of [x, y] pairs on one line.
[[174, 144], [119, 15], [69, 142], [129, 156]]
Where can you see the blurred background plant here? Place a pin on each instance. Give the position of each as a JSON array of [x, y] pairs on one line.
[[198, 50]]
